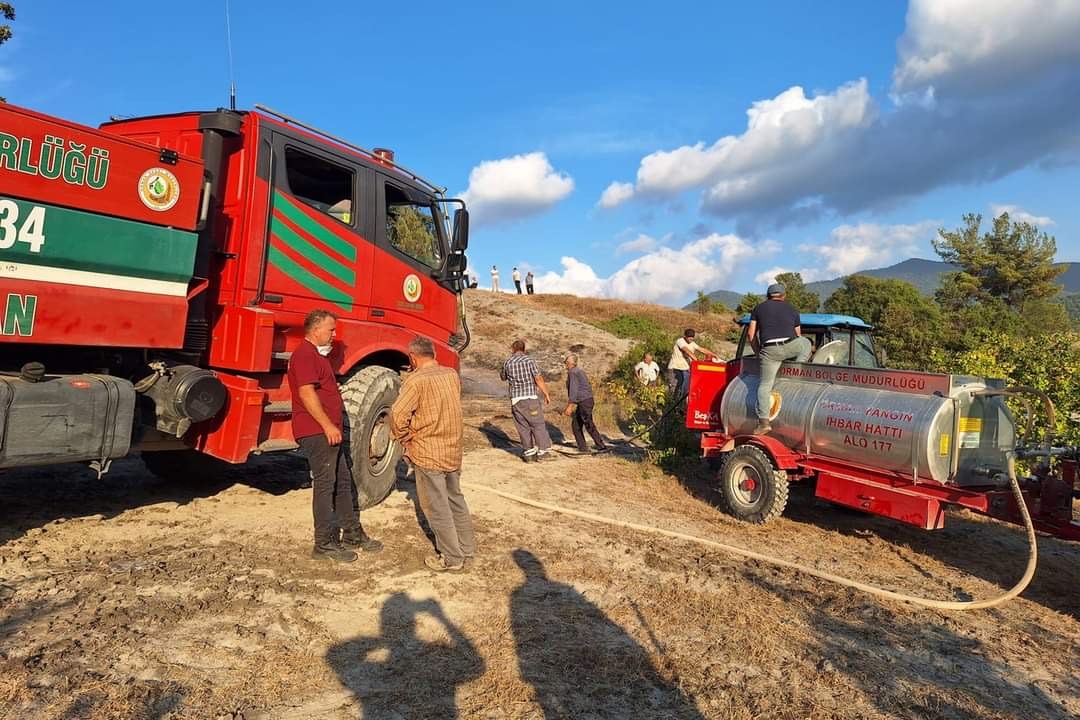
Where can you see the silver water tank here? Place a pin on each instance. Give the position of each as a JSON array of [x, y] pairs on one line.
[[921, 425]]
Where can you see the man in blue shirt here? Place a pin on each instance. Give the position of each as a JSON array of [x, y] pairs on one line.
[[776, 334]]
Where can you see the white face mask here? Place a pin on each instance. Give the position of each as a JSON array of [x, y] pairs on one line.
[[324, 350]]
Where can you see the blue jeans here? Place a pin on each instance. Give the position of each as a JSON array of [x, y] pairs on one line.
[[772, 356], [680, 383]]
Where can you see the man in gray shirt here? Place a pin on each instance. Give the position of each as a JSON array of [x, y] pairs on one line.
[[580, 405]]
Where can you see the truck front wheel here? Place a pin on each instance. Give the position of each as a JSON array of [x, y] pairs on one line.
[[752, 488], [373, 452]]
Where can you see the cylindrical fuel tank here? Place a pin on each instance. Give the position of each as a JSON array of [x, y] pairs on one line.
[[914, 428]]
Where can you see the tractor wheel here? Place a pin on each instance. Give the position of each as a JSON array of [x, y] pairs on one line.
[[752, 488], [373, 453], [184, 467]]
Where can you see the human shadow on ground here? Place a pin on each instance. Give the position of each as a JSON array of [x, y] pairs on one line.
[[579, 662], [912, 666], [507, 439], [399, 673], [36, 496]]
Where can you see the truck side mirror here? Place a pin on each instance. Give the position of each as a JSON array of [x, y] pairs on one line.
[[460, 242]]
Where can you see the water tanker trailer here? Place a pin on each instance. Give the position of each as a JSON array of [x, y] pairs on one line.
[[897, 443]]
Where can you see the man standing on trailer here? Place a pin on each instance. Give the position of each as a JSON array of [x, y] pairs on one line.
[[317, 414], [775, 333], [426, 418]]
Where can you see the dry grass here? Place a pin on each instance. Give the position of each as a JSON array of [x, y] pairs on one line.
[[596, 311]]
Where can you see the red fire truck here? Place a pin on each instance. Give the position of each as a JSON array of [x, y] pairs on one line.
[[155, 274]]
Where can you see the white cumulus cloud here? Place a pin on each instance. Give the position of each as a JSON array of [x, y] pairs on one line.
[[642, 243], [1018, 214], [981, 88], [666, 275], [515, 187], [616, 194]]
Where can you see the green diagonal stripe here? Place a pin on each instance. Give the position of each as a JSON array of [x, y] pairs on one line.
[[299, 218], [319, 287], [316, 256]]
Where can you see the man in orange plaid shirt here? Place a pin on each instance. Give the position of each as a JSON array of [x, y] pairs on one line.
[[426, 418]]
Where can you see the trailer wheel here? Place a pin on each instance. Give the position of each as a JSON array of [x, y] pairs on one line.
[[184, 467], [752, 488], [373, 452]]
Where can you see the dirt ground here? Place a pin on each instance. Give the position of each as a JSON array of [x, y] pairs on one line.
[[127, 597]]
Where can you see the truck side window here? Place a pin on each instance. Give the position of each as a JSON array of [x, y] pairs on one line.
[[323, 185], [411, 228]]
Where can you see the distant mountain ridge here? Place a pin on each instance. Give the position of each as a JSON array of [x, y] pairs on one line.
[[923, 274]]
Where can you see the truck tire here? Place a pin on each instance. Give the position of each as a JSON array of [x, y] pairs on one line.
[[373, 453], [752, 489], [184, 467]]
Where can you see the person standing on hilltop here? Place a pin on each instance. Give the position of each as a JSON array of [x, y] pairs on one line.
[[580, 404], [526, 384], [684, 352], [775, 333], [529, 282], [494, 279], [517, 280]]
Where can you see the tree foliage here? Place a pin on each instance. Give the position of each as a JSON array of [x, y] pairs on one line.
[[7, 11], [1012, 263], [703, 304], [908, 322], [748, 303], [804, 300]]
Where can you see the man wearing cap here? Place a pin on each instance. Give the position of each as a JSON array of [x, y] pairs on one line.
[[684, 352], [776, 334]]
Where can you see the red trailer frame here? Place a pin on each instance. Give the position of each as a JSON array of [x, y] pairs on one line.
[[1048, 495]]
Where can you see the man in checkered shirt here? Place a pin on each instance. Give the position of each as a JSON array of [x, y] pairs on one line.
[[526, 384]]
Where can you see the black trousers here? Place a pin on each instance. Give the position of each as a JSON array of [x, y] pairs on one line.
[[333, 494], [529, 289], [517, 284], [583, 419]]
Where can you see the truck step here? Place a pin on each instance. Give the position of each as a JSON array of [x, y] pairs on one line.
[[281, 406], [276, 445]]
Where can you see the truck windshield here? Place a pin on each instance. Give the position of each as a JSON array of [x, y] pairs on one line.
[[412, 228], [864, 351]]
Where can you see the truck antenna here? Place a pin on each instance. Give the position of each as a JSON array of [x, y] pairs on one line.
[[228, 45]]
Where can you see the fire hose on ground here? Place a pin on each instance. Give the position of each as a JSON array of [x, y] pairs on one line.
[[960, 605]]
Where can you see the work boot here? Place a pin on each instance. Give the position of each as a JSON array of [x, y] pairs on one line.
[[332, 550], [763, 428], [357, 539], [438, 564]]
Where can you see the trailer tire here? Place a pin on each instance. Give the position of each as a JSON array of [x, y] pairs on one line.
[[751, 487], [184, 467], [373, 453]]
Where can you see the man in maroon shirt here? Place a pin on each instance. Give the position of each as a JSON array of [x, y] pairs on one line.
[[317, 421]]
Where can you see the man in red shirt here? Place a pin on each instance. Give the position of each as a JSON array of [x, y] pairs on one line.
[[317, 421]]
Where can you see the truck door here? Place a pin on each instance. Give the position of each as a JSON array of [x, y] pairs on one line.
[[405, 287], [318, 254]]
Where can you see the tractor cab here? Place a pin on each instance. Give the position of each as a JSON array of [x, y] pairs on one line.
[[837, 340]]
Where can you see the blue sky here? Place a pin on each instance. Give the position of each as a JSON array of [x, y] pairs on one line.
[[607, 146]]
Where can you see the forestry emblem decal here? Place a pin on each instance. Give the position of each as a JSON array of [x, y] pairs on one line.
[[412, 288], [159, 189]]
